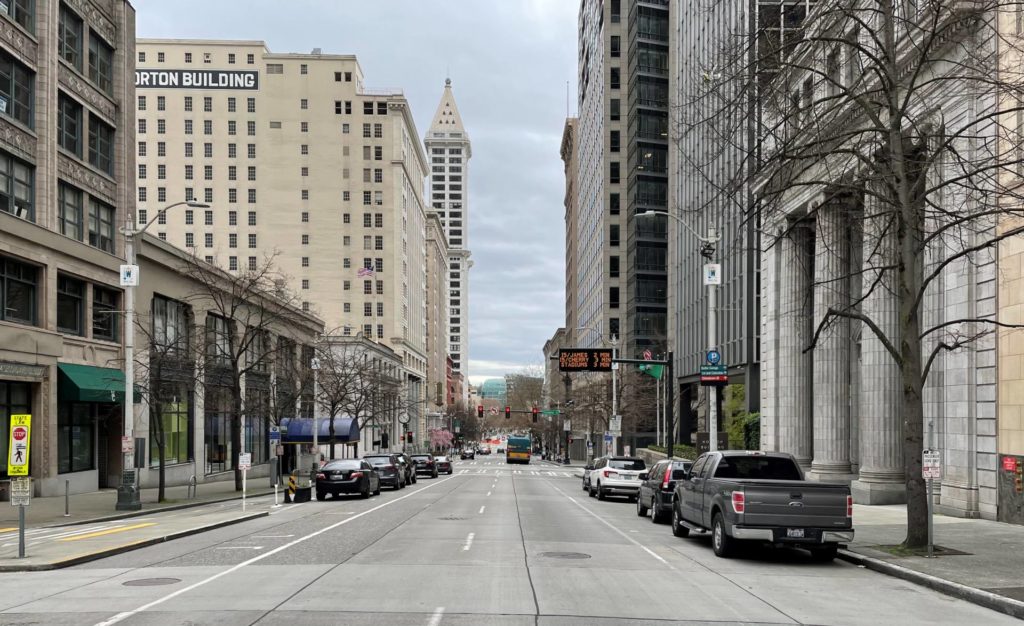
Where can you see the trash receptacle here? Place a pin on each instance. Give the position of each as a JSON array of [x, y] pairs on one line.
[[302, 494]]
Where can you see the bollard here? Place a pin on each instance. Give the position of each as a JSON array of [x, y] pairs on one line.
[[290, 494], [67, 499]]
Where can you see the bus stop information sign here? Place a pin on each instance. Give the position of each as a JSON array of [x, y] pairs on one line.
[[584, 360]]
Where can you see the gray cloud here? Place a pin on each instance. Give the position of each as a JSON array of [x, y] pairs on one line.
[[509, 61]]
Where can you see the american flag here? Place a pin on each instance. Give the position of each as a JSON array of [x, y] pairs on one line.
[[364, 272]]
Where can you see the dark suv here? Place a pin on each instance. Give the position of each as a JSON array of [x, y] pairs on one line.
[[392, 472], [409, 466], [425, 464], [657, 487]]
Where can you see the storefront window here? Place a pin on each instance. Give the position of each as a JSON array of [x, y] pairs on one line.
[[76, 432], [170, 419], [15, 399], [219, 453], [257, 408]]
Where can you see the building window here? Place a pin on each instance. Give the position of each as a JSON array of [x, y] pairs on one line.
[[208, 217], [142, 103], [190, 240], [69, 211], [303, 68], [305, 261], [18, 282], [22, 12], [378, 242], [101, 226], [207, 127], [232, 150], [614, 141], [232, 127], [232, 218], [252, 240], [616, 11], [161, 126], [250, 128], [613, 175], [232, 240], [160, 57], [252, 263], [616, 81], [304, 127], [70, 305], [161, 148], [305, 217], [69, 37], [232, 172], [613, 297], [208, 150], [101, 145], [252, 218], [188, 127], [613, 204], [250, 105], [189, 172], [207, 172], [17, 188], [252, 151], [208, 104], [188, 150], [250, 58], [188, 104], [69, 125], [142, 127], [188, 57], [252, 196], [613, 267], [367, 309], [208, 240], [232, 104], [101, 63], [378, 153], [233, 263], [232, 196], [367, 287], [613, 236], [104, 313], [305, 240], [76, 437], [231, 58], [616, 46]]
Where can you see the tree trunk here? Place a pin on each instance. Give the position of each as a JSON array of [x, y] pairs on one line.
[[236, 430], [330, 433], [161, 446]]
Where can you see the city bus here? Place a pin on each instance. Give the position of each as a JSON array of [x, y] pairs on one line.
[[517, 449]]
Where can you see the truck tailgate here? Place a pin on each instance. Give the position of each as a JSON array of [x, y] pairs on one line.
[[797, 504]]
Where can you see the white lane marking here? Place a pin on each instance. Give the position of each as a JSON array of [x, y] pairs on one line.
[[272, 536], [469, 541], [120, 617], [612, 526], [435, 619], [488, 493], [482, 510], [239, 547]]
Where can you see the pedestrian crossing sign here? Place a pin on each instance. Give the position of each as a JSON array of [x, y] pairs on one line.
[[17, 462]]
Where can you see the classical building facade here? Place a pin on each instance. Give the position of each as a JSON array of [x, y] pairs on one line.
[[438, 359], [300, 162], [450, 150], [67, 165]]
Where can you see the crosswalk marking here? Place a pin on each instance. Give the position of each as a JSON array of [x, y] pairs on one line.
[[108, 531]]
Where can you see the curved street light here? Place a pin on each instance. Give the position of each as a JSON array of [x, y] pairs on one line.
[[127, 493]]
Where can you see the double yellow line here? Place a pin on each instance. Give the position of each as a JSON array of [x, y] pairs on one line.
[[109, 531]]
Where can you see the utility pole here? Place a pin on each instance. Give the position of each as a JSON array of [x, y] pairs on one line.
[[712, 345]]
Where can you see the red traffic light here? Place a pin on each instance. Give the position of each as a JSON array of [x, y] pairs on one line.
[[479, 410], [535, 411], [508, 412]]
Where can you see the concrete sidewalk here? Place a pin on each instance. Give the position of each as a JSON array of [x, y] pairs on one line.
[[99, 505], [979, 560]]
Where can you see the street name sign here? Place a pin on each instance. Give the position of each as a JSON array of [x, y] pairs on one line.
[[931, 465], [21, 430], [551, 412], [713, 374], [584, 360]]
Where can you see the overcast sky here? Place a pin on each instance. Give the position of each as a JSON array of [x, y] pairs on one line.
[[509, 61]]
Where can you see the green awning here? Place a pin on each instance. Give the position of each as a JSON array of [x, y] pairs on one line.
[[86, 383]]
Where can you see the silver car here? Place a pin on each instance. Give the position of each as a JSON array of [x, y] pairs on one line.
[[615, 475]]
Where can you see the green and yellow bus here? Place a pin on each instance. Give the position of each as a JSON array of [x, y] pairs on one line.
[[517, 449]]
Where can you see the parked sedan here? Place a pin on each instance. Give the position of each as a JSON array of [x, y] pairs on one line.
[[443, 464], [657, 487], [390, 468], [409, 466], [347, 476], [425, 464]]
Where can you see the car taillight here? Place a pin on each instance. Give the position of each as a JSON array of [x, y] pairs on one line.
[[356, 475], [320, 477], [606, 473], [391, 467], [668, 475], [738, 502], [849, 507]]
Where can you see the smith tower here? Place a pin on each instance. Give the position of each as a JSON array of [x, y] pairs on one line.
[[449, 150]]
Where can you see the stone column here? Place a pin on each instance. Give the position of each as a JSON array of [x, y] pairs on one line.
[[793, 364], [881, 479], [832, 351]]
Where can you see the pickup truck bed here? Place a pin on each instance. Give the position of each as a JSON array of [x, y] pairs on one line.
[[743, 495]]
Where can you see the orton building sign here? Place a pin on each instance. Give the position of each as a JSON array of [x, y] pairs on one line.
[[197, 79]]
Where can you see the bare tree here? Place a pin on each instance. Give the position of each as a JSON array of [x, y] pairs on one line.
[[244, 309], [893, 129]]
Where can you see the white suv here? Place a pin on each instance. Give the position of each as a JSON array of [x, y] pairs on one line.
[[616, 475]]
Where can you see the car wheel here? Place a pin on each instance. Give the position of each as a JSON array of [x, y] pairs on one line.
[[590, 490], [321, 496], [434, 475], [584, 481], [398, 485], [376, 491], [365, 493], [641, 510], [722, 543], [824, 554], [657, 515], [677, 524], [600, 492]]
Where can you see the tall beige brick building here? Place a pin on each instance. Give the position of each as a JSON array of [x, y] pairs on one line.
[[297, 160]]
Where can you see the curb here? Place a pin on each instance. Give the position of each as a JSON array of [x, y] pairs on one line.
[[144, 511], [94, 556], [987, 599]]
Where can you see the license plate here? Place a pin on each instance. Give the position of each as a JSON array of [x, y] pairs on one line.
[[795, 533], [626, 477]]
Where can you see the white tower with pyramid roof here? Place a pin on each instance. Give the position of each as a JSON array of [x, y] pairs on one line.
[[449, 151]]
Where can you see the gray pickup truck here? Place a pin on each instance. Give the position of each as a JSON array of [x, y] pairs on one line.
[[761, 496]]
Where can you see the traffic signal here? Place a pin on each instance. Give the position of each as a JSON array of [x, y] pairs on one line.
[[384, 439], [480, 410], [508, 412], [535, 415], [408, 436]]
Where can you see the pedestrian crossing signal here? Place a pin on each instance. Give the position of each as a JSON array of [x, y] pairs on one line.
[[480, 410], [535, 411]]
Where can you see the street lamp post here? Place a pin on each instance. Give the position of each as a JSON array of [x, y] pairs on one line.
[[707, 251], [127, 493]]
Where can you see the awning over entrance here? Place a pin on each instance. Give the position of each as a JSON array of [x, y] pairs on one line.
[[86, 383], [300, 430]]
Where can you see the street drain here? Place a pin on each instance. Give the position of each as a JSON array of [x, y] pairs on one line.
[[565, 555], [452, 518], [151, 582]]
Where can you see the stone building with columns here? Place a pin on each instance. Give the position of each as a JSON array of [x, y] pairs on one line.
[[831, 393]]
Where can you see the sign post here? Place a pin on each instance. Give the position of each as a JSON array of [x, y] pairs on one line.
[[244, 464], [21, 497], [17, 469], [931, 469]]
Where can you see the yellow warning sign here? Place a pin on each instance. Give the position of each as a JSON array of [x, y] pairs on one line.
[[17, 463]]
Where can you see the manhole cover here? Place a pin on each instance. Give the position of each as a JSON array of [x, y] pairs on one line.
[[151, 582], [565, 555]]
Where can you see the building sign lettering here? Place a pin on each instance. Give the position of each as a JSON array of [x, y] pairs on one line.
[[197, 79]]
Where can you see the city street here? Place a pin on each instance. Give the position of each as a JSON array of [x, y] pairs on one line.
[[492, 544]]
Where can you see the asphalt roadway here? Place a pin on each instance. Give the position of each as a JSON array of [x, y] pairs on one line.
[[492, 544]]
